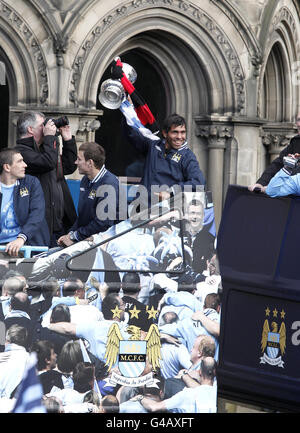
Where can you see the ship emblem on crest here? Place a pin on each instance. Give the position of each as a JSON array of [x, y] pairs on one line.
[[273, 340]]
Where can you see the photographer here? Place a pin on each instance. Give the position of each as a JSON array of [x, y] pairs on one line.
[[39, 145], [291, 149], [287, 180]]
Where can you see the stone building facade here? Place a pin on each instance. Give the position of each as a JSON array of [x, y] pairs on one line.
[[231, 67]]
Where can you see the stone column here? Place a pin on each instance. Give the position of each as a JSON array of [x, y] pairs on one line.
[[86, 129], [275, 142], [217, 135]]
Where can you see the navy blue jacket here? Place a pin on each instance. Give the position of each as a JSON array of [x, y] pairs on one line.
[[172, 167], [87, 222], [29, 207]]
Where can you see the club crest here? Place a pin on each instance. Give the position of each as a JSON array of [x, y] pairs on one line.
[[92, 194], [130, 355], [24, 192], [273, 340], [176, 157]]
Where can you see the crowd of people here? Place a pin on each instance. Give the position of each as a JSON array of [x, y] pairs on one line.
[[151, 279], [62, 305], [148, 275]]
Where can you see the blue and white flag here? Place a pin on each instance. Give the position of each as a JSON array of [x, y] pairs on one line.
[[30, 391], [133, 120]]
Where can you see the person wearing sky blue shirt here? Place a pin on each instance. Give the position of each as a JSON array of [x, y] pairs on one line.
[[195, 399], [22, 205], [286, 181], [293, 148], [96, 332]]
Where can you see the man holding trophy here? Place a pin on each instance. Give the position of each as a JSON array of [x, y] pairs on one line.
[[169, 164]]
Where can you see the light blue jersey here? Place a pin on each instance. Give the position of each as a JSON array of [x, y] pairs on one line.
[[9, 224], [201, 399], [283, 184], [97, 333]]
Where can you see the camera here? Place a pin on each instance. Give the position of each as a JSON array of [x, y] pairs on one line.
[[290, 162], [61, 121]]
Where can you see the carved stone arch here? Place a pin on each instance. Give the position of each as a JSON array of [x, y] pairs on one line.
[[29, 83], [281, 51], [193, 54], [209, 48], [277, 99], [23, 83], [26, 74]]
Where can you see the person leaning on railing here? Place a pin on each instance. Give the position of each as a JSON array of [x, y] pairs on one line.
[[22, 205]]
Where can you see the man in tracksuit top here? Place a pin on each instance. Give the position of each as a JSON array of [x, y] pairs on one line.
[[169, 162], [22, 205], [99, 195]]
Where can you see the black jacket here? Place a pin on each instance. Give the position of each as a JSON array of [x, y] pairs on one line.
[[277, 164], [44, 163]]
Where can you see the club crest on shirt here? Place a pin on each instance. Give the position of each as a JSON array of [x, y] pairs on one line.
[[130, 355], [176, 157], [273, 340], [24, 192], [92, 194]]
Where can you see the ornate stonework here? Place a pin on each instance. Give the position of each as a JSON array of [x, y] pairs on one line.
[[186, 8], [227, 65], [16, 21]]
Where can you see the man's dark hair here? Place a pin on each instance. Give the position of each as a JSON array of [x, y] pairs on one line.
[[83, 376], [71, 285], [110, 404], [158, 390], [49, 287], [20, 301], [17, 335], [208, 368], [173, 120], [6, 157], [60, 313], [69, 356], [131, 282], [26, 119], [195, 202], [110, 302], [43, 350], [94, 151], [212, 300]]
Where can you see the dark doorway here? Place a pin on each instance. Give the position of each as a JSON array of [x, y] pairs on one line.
[[4, 106], [121, 158]]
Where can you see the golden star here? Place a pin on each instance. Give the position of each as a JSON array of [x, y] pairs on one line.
[[275, 312], [152, 313], [282, 314], [116, 312], [267, 311], [134, 312]]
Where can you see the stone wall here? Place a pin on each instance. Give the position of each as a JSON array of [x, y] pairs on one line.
[[230, 66]]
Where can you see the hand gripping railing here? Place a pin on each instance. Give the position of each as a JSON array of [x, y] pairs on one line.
[[28, 249]]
